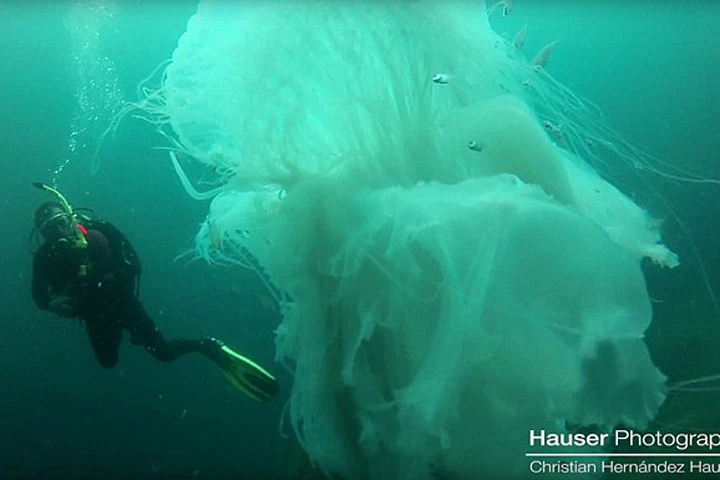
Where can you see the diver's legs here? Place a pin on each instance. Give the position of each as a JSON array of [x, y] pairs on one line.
[[242, 372], [168, 350], [105, 338], [143, 331]]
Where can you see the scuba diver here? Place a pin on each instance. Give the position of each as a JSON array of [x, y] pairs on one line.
[[87, 269]]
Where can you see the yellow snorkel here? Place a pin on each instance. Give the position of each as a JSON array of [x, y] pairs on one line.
[[80, 240]]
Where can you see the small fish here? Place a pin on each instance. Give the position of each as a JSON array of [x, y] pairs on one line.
[[442, 78], [474, 146], [508, 6], [555, 130], [519, 40], [543, 56]]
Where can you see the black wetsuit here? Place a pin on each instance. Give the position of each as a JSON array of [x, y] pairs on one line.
[[104, 295]]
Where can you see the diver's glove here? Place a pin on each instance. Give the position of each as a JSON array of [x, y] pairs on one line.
[[63, 306]]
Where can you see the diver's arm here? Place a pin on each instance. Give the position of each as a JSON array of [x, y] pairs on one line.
[[40, 286], [60, 305]]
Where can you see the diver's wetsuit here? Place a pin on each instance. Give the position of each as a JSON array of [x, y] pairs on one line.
[[104, 297]]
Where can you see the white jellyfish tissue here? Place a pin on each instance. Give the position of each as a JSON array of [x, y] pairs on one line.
[[440, 297]]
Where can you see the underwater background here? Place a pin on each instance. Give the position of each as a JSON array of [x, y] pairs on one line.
[[652, 66]]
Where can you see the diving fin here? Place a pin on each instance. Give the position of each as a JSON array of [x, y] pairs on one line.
[[245, 374]]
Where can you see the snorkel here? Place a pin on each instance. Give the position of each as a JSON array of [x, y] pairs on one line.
[[80, 240]]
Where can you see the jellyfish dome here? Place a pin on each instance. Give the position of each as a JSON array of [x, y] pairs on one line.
[[450, 277]]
